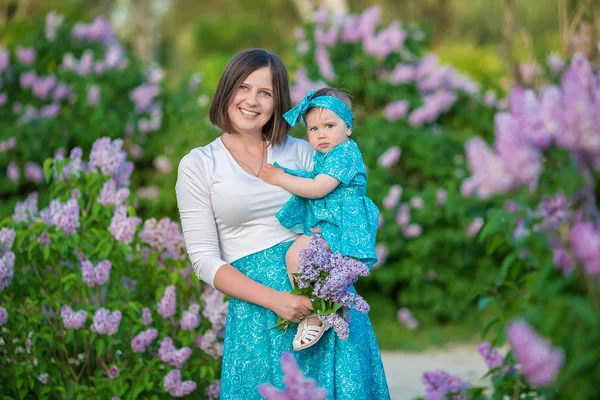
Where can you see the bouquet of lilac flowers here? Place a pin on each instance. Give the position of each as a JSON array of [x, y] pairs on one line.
[[326, 279]]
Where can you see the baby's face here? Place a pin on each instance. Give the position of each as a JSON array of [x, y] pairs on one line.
[[325, 129]]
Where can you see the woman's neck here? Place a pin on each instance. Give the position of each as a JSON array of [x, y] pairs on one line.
[[243, 140]]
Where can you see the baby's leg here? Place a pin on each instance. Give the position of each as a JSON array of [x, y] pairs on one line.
[[293, 254]]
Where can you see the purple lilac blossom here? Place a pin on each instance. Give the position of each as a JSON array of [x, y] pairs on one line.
[[143, 340], [540, 362], [4, 59], [171, 355], [189, 320], [96, 275], [146, 316], [43, 378], [73, 320], [143, 96], [297, 386], [25, 55], [402, 73], [106, 323], [474, 227], [26, 211], [3, 316], [324, 63], [213, 390], [563, 259], [123, 227], [53, 22], [403, 215], [7, 263], [168, 303], [93, 96], [439, 383], [63, 216], [7, 239], [396, 110], [441, 196], [9, 144], [107, 155], [44, 239], [412, 230], [111, 195], [3, 99], [208, 343], [42, 86], [416, 202], [491, 356], [33, 172], [175, 387], [12, 172]]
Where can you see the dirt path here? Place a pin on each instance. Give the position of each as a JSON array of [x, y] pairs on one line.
[[404, 370]]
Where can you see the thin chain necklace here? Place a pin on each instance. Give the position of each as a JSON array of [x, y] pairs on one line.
[[262, 159]]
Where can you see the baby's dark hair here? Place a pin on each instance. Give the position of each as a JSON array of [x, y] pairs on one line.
[[337, 93]]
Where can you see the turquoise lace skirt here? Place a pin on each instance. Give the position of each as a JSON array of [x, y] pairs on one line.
[[348, 369]]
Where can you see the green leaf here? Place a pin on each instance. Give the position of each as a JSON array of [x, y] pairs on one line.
[[48, 169], [484, 302], [100, 347]]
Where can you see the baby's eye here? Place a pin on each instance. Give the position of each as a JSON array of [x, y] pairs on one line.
[[313, 129], [329, 126]]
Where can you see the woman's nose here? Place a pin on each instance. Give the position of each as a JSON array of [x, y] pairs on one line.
[[251, 99]]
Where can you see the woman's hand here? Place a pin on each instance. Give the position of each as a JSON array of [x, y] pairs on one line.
[[271, 174], [291, 307]]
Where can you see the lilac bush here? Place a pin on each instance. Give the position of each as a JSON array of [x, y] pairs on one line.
[[297, 386], [413, 114], [102, 301], [545, 298]]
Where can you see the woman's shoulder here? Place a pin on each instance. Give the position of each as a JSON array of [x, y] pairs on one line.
[[295, 145], [200, 157]]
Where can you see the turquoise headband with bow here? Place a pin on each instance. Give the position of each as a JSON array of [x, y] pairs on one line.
[[297, 114]]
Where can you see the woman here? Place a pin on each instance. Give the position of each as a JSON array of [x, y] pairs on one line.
[[237, 245]]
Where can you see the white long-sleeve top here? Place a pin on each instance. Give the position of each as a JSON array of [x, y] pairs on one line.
[[227, 213]]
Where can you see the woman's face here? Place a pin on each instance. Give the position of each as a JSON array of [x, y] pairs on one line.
[[253, 103]]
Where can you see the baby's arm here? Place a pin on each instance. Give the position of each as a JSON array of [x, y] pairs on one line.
[[308, 188]]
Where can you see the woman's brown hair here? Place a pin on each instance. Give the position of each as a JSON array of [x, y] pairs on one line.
[[238, 69]]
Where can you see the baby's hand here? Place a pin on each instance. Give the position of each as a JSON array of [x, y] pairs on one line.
[[271, 174]]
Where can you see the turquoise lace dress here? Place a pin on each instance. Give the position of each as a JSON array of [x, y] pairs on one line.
[[349, 369], [347, 217]]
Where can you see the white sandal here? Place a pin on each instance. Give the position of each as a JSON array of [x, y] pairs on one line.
[[308, 335]]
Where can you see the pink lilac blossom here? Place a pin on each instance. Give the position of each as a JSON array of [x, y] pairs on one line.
[[44, 239], [474, 227], [215, 308], [4, 59], [63, 216], [43, 86], [297, 386], [368, 22], [96, 275], [303, 85], [33, 172], [171, 355], [441, 196], [106, 323], [3, 316], [396, 110], [71, 319], [402, 73], [585, 241], [162, 164], [26, 211], [109, 194], [143, 340], [150, 192], [123, 227], [403, 215], [113, 372], [412, 231], [406, 318], [416, 203], [490, 177], [540, 362], [12, 172], [143, 96], [391, 199], [438, 384], [27, 79], [25, 55], [556, 63], [99, 30], [175, 387], [8, 144], [563, 259], [163, 235], [7, 263], [73, 168], [168, 303], [50, 110], [324, 63], [529, 71], [93, 96], [146, 316], [381, 251], [3, 100], [208, 343], [326, 37], [189, 320], [390, 157], [387, 41]]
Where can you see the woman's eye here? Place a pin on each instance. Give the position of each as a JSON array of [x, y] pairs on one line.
[[267, 94], [243, 87]]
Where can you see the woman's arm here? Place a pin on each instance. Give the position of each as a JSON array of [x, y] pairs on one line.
[[201, 241], [308, 188]]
